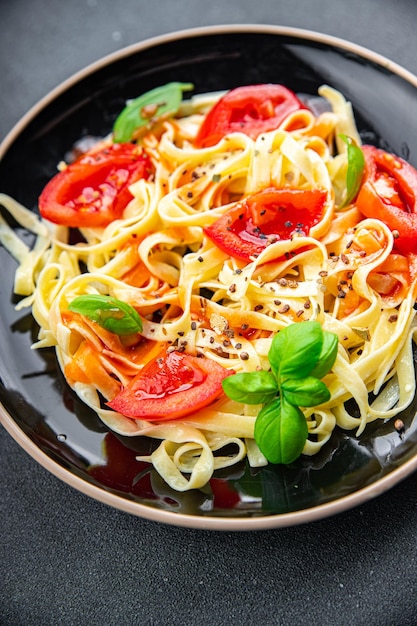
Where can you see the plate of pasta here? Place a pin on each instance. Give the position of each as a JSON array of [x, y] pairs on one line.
[[208, 243]]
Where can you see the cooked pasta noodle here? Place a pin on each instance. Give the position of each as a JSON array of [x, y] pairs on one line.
[[195, 298]]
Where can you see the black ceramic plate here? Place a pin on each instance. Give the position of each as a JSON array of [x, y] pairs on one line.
[[42, 413]]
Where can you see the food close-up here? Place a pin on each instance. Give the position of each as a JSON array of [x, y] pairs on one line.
[[231, 275]]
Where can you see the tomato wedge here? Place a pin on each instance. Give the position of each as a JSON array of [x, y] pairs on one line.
[[265, 217], [389, 193], [173, 385], [252, 109], [94, 190]]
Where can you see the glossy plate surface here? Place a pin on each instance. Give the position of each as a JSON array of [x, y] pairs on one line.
[[41, 412]]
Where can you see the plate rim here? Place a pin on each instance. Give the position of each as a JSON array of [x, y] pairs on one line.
[[204, 522], [290, 31]]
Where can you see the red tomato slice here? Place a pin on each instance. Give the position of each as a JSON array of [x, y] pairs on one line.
[[265, 217], [173, 385], [389, 193], [252, 110], [94, 190]]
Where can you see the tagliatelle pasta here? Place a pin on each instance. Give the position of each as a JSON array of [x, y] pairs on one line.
[[194, 298]]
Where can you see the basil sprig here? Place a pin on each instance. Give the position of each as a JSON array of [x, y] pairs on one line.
[[110, 313], [299, 356], [150, 106], [281, 431], [355, 169]]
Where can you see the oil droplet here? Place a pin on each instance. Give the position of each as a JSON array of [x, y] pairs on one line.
[[61, 437]]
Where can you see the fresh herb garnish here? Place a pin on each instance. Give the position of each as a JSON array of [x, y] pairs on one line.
[[299, 356], [110, 313], [150, 106], [356, 166], [252, 387], [281, 431]]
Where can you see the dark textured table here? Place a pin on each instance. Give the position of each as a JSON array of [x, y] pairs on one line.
[[67, 559]]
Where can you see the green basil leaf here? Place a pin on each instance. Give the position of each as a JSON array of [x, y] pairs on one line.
[[110, 313], [154, 104], [251, 387], [295, 350], [308, 391], [281, 431], [355, 169], [327, 355]]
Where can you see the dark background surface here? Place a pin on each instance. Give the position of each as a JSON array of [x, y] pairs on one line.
[[66, 559]]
